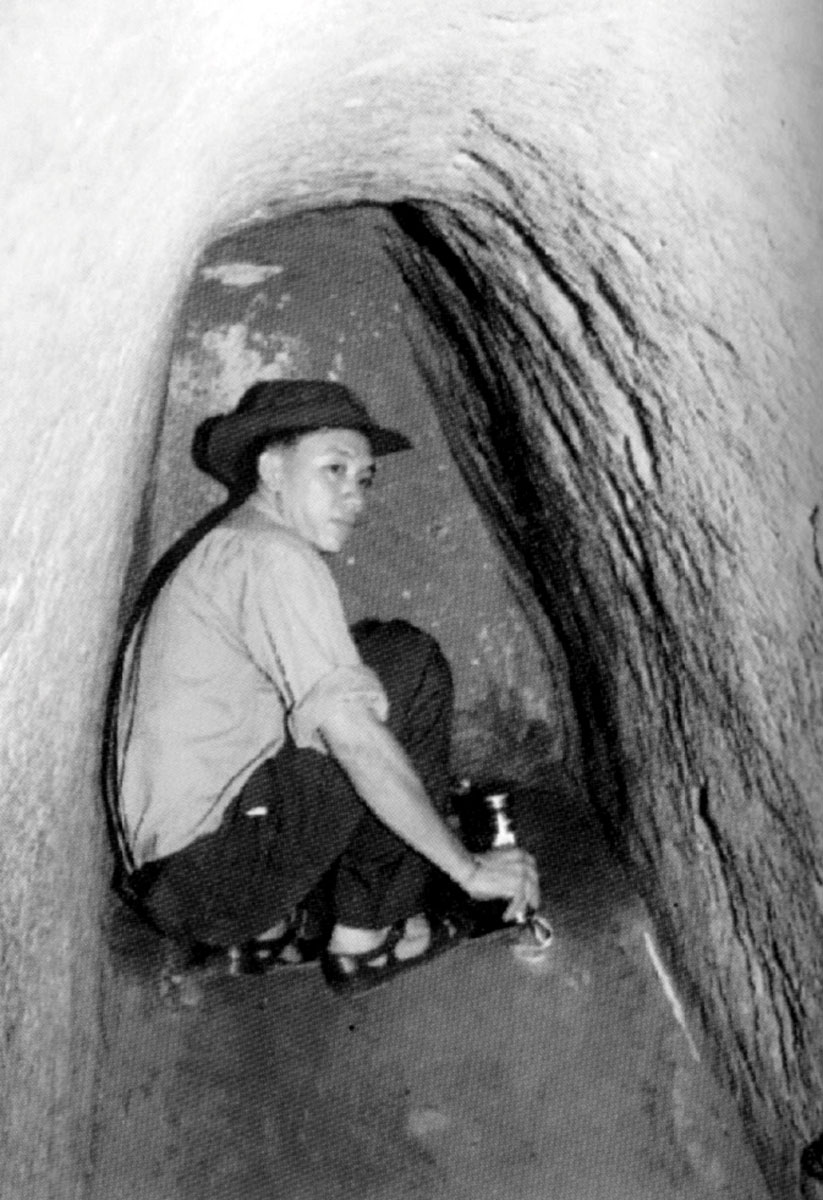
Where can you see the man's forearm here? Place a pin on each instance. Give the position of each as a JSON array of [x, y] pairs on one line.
[[385, 779]]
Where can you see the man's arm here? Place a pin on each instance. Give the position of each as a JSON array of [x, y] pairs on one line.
[[385, 779]]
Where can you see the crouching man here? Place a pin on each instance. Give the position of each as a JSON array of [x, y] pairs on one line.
[[260, 745]]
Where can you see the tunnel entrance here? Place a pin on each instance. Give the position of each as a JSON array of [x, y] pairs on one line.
[[399, 302]]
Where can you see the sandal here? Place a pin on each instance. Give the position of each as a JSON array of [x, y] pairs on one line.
[[372, 968], [291, 949]]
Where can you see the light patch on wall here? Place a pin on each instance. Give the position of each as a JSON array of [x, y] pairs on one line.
[[218, 366], [336, 371], [242, 274]]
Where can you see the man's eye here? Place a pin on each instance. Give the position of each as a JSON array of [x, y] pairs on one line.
[[366, 481], [336, 468]]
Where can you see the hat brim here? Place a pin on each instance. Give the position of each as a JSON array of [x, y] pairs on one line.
[[222, 442]]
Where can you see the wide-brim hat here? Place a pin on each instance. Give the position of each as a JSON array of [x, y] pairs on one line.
[[222, 443]]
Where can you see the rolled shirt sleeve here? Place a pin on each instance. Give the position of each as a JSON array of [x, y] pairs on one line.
[[343, 685]]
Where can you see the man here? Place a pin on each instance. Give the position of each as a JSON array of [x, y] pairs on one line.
[[261, 746]]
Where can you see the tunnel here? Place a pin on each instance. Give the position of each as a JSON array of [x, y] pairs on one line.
[[607, 224]]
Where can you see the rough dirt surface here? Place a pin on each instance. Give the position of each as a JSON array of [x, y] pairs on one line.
[[480, 1076]]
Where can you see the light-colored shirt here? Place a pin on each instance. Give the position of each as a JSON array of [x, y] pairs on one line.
[[247, 638]]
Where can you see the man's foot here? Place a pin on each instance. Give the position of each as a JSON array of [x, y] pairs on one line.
[[348, 944], [277, 931], [280, 946], [357, 961]]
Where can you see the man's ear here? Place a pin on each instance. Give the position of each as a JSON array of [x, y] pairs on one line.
[[270, 466]]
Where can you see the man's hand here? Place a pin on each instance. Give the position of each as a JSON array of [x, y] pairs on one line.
[[509, 874], [385, 779]]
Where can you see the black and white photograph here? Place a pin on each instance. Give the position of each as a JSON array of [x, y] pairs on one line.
[[411, 600]]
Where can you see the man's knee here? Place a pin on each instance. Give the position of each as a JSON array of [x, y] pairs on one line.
[[398, 646]]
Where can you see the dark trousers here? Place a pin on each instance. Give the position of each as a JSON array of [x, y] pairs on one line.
[[312, 835]]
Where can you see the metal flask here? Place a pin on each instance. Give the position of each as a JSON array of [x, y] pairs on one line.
[[483, 816], [487, 824], [502, 830]]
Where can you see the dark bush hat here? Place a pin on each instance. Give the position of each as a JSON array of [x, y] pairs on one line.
[[222, 443]]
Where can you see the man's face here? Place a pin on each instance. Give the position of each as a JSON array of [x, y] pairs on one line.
[[319, 484]]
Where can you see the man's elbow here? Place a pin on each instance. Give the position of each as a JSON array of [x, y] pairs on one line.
[[350, 728]]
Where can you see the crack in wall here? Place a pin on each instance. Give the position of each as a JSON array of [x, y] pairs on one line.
[[817, 539]]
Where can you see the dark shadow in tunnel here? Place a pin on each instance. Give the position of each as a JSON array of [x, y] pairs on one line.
[[531, 515]]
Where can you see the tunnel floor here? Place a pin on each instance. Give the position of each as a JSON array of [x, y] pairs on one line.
[[478, 1076]]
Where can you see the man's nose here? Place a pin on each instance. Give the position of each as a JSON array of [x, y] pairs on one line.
[[353, 495]]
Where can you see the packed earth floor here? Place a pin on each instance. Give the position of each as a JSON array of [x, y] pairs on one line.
[[484, 1075]]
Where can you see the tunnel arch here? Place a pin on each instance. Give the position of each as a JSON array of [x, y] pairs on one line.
[[553, 387]]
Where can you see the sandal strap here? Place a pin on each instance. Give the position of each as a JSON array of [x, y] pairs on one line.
[[365, 958], [373, 967], [256, 955]]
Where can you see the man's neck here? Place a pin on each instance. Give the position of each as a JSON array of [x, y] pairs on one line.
[[264, 501]]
